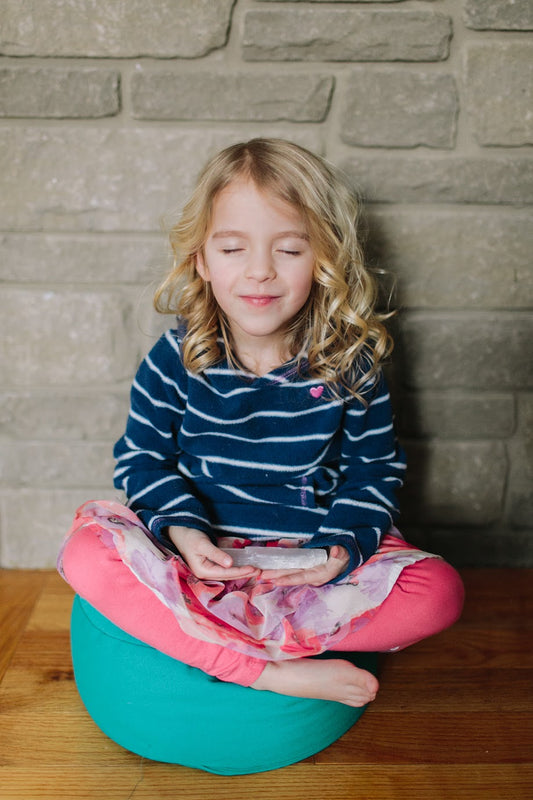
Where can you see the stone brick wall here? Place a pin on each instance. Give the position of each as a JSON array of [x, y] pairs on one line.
[[107, 111]]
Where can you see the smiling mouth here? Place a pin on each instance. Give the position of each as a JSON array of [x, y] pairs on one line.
[[260, 299]]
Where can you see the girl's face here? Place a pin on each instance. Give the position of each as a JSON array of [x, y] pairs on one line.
[[260, 264]]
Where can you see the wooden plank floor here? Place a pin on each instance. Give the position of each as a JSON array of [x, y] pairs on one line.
[[453, 719]]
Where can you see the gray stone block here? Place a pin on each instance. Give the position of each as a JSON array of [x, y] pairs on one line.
[[85, 259], [63, 415], [504, 15], [97, 28], [62, 465], [498, 179], [34, 522], [58, 92], [345, 34], [475, 351], [391, 108], [494, 547], [500, 92], [336, 1], [63, 336], [520, 490], [456, 415], [454, 257], [230, 96], [102, 178], [454, 483]]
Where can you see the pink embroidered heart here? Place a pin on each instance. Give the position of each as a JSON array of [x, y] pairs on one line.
[[316, 391]]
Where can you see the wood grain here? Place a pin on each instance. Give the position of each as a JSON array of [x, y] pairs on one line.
[[18, 594], [453, 719]]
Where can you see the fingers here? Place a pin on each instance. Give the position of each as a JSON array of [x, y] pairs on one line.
[[204, 559], [208, 571], [315, 576], [295, 577], [287, 577], [208, 562], [211, 552], [211, 563]]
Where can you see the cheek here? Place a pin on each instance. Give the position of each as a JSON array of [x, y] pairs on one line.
[[303, 283], [221, 284]]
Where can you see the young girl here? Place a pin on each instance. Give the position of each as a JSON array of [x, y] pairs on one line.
[[264, 419]]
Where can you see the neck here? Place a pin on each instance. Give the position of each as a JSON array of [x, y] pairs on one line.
[[262, 363], [259, 355]]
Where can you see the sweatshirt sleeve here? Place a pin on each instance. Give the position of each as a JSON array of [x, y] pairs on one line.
[[147, 454], [372, 469]]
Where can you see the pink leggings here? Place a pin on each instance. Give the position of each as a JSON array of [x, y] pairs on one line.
[[426, 599]]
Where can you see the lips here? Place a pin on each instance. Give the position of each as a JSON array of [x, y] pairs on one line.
[[259, 299]]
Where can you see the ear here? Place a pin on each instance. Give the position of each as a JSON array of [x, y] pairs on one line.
[[201, 266]]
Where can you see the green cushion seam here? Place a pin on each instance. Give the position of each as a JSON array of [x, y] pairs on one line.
[[130, 640]]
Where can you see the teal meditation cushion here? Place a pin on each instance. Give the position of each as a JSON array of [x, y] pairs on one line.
[[164, 710]]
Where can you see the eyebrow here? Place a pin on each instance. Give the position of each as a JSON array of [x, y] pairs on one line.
[[282, 235]]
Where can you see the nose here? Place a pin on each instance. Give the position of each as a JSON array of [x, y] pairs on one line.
[[260, 265]]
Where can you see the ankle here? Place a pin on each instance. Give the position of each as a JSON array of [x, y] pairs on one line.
[[266, 679]]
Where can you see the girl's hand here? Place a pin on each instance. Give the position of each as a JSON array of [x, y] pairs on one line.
[[337, 562], [204, 559]]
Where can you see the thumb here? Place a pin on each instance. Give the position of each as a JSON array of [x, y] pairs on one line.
[[215, 554]]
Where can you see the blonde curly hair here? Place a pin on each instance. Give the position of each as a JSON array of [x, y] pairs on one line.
[[339, 329]]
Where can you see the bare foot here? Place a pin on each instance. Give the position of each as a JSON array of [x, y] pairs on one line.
[[331, 679]]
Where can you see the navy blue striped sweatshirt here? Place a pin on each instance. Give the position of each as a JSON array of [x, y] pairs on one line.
[[264, 458]]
